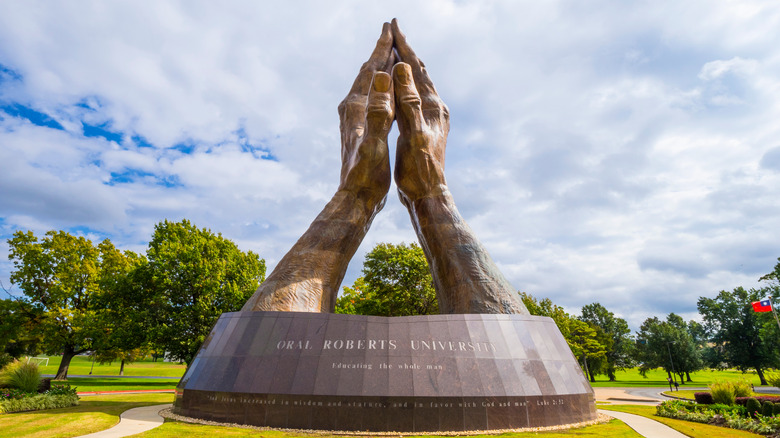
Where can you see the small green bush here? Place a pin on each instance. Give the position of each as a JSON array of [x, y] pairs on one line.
[[767, 408], [776, 408], [61, 390], [753, 406], [22, 376], [723, 392], [773, 379], [742, 388], [12, 393], [38, 402]]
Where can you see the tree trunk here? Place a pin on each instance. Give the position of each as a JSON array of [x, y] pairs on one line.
[[67, 355], [682, 378], [585, 363], [122, 368], [688, 377], [761, 377]]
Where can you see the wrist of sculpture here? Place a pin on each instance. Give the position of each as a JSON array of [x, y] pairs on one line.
[[466, 278], [307, 278]]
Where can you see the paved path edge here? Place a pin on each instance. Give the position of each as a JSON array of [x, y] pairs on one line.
[[644, 426], [133, 421]]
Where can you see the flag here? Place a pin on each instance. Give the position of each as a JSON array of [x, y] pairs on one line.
[[762, 306]]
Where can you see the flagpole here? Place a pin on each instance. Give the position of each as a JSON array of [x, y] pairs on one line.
[[773, 312]]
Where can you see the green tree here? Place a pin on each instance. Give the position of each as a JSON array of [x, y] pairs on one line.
[[193, 276], [123, 321], [59, 276], [669, 345], [588, 342], [396, 281], [18, 336], [619, 355], [748, 339]]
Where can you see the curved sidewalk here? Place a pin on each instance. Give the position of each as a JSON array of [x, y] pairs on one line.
[[645, 426], [133, 421]]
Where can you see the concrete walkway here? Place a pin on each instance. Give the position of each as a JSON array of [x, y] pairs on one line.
[[133, 421], [645, 426]]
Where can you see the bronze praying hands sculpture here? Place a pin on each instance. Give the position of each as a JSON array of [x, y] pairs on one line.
[[392, 85]]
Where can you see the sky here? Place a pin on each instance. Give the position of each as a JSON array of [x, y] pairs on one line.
[[626, 153]]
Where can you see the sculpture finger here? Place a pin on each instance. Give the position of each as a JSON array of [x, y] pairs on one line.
[[382, 54], [407, 55], [380, 110], [409, 115]]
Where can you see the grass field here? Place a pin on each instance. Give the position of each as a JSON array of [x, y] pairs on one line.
[[91, 415], [100, 384], [81, 365], [657, 377]]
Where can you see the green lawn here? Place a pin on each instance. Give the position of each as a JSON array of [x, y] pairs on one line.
[[97, 384], [83, 364], [93, 414], [657, 377]]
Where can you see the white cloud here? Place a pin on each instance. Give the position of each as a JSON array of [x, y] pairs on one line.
[[614, 152]]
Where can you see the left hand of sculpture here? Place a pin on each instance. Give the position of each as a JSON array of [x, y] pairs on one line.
[[366, 116], [308, 277]]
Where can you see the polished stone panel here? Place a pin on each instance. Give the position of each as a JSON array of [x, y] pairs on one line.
[[406, 374]]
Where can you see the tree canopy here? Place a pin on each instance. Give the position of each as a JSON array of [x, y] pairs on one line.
[[193, 276], [59, 275], [619, 355], [669, 345], [748, 339], [396, 281]]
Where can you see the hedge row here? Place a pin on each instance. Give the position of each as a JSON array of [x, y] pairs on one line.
[[38, 402], [705, 398]]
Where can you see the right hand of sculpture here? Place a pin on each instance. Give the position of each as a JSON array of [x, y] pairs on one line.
[[366, 116], [423, 124]]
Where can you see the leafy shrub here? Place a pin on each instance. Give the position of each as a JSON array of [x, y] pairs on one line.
[[12, 394], [773, 379], [775, 408], [20, 375], [683, 410], [767, 408], [38, 402], [703, 398], [723, 392], [742, 388], [61, 390], [718, 408], [761, 398], [5, 359], [753, 406]]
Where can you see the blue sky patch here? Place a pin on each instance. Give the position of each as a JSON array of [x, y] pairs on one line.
[[101, 131], [35, 117], [8, 75], [129, 176]]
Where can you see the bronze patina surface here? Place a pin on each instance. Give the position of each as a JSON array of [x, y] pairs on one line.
[[466, 278], [287, 361]]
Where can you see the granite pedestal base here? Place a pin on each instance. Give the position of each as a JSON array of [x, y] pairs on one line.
[[405, 374]]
